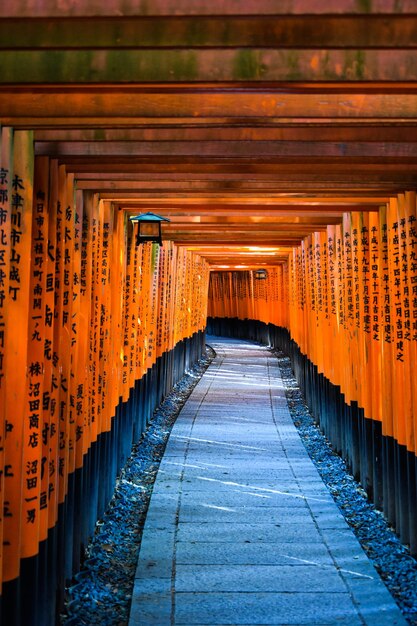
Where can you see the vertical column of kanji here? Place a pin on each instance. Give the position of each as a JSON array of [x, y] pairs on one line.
[[138, 280], [6, 164], [16, 342], [164, 302], [153, 304], [349, 309], [301, 296], [167, 295], [50, 394], [340, 305], [146, 301], [356, 356], [92, 208], [64, 235], [410, 301], [185, 294], [403, 311], [133, 310], [410, 334], [294, 309], [374, 312], [332, 305], [127, 287], [320, 248], [60, 342], [325, 306], [72, 260], [149, 306], [99, 302], [117, 293], [153, 309], [179, 280], [317, 341], [172, 279], [84, 327], [160, 312], [394, 267], [406, 472], [193, 292], [312, 289], [35, 431], [188, 287], [105, 326], [306, 285], [365, 309], [82, 286], [312, 292]]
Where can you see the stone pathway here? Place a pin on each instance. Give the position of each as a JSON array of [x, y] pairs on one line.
[[241, 528]]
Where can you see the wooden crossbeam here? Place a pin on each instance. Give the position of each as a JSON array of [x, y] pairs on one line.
[[156, 8], [131, 102], [273, 31]]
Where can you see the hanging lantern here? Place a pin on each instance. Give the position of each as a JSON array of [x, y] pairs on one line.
[[149, 227], [261, 274]]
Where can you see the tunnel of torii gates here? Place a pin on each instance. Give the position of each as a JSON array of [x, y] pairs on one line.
[[273, 135]]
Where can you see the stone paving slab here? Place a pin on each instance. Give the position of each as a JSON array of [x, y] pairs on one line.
[[240, 527]]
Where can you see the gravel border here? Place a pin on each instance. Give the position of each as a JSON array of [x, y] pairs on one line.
[[101, 592], [390, 557]]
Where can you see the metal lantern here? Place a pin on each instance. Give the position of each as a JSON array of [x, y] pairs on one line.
[[261, 274], [149, 227]]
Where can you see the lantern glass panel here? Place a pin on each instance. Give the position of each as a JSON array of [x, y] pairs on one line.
[[149, 229]]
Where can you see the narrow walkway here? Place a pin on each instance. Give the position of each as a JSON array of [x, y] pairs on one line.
[[240, 528]]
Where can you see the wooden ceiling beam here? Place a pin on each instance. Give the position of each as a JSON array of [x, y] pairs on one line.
[[156, 8], [230, 149], [313, 213], [194, 65], [73, 102], [306, 132], [272, 31]]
